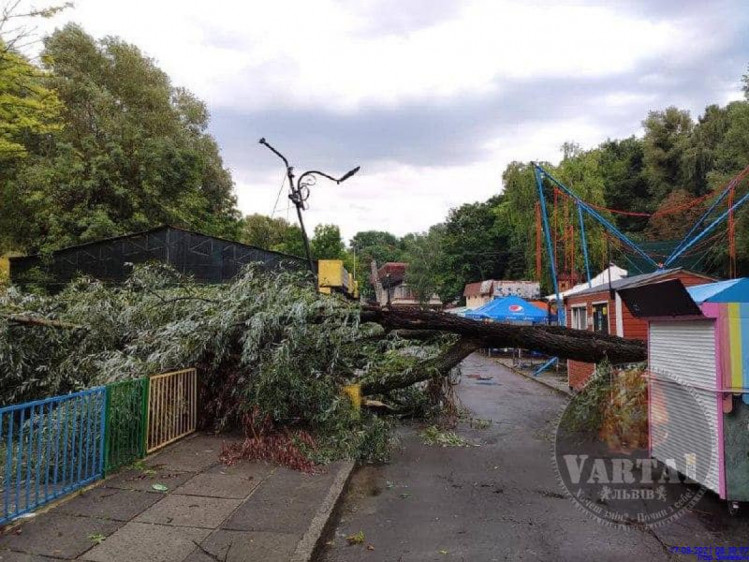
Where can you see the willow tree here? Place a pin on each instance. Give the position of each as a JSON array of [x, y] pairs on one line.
[[272, 352]]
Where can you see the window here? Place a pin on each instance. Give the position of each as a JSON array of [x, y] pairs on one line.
[[601, 318], [580, 317]]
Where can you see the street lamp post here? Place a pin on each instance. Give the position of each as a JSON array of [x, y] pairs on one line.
[[299, 193]]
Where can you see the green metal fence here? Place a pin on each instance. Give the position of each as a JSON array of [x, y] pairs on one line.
[[125, 423]]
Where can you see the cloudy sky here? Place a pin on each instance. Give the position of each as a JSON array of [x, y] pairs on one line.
[[433, 98]]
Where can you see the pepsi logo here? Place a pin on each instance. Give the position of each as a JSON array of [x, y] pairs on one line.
[[515, 308]]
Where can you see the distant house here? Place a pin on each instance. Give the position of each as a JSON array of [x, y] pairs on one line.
[[479, 293], [391, 289], [596, 309], [207, 259]]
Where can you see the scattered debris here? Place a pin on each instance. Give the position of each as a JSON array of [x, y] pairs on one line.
[[478, 423], [160, 487], [432, 435], [357, 538], [144, 468]]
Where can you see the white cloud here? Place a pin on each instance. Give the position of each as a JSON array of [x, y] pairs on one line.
[[346, 58], [403, 198], [322, 53]]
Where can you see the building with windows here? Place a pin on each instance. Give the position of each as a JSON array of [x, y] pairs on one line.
[[600, 309], [391, 290]]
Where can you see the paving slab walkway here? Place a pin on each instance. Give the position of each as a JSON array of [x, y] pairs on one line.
[[209, 512]]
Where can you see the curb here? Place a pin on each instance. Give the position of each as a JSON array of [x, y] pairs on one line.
[[537, 380], [310, 543]]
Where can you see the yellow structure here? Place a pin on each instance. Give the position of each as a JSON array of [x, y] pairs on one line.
[[333, 277], [172, 407], [353, 391]]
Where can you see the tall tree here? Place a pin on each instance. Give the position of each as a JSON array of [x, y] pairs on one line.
[[475, 247], [425, 255], [666, 136], [29, 111], [327, 244], [624, 184], [133, 152], [371, 245]]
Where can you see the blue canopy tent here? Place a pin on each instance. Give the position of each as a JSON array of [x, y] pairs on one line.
[[512, 310], [509, 309]]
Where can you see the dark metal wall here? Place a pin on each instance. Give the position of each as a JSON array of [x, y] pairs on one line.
[[206, 258]]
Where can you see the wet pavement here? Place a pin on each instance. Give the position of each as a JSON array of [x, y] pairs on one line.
[[182, 504], [500, 500]]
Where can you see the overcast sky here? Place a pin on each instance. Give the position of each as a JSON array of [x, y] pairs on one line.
[[433, 98]]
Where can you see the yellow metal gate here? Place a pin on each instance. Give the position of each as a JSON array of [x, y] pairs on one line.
[[172, 407]]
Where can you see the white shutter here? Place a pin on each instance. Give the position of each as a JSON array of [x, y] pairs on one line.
[[683, 426], [685, 351]]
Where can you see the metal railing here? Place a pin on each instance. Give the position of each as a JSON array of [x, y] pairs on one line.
[[172, 407], [49, 448], [126, 423]]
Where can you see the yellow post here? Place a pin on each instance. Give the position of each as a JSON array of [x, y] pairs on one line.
[[353, 391]]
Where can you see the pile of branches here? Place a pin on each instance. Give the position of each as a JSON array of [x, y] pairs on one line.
[[273, 353]]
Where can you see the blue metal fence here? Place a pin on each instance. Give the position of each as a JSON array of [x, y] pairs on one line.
[[49, 448]]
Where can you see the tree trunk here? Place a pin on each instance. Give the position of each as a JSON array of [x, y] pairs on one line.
[[556, 341], [436, 367]]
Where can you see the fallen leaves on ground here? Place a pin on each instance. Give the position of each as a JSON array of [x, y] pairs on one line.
[[432, 435], [357, 538]]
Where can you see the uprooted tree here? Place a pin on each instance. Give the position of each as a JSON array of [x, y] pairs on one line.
[[272, 352]]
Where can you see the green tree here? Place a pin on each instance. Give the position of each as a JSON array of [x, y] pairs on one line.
[[29, 111], [264, 232], [367, 246], [475, 246], [624, 184], [133, 152], [426, 264], [326, 244], [667, 135]]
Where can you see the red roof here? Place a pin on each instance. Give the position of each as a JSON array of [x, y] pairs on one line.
[[396, 270], [472, 289]]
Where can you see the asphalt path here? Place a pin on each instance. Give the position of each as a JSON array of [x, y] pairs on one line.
[[500, 499]]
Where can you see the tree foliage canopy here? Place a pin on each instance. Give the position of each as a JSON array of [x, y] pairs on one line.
[[131, 152]]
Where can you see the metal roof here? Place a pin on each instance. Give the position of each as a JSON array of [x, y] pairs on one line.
[[627, 282], [733, 290]]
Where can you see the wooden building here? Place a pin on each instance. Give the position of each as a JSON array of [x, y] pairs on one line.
[[601, 309]]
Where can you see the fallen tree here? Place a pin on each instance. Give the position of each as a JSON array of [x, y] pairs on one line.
[[272, 352], [566, 343]]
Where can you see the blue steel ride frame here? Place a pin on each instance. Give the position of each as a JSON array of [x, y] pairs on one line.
[[549, 247], [596, 215], [684, 247], [689, 240]]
